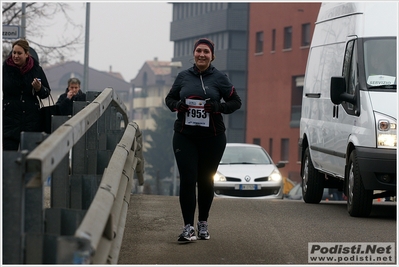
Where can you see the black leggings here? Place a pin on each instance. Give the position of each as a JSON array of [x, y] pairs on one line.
[[197, 160]]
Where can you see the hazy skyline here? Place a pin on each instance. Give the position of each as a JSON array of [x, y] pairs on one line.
[[123, 35]]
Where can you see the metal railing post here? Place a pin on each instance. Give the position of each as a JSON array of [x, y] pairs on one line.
[[60, 189], [13, 206]]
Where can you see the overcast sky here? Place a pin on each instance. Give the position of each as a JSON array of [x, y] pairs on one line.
[[122, 34]]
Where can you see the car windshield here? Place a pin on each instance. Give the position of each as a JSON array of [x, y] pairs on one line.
[[245, 155], [380, 63]]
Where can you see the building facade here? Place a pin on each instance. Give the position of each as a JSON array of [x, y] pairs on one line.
[[150, 87], [279, 41], [226, 24]]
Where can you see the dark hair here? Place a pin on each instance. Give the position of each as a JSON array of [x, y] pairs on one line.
[[22, 43], [73, 80], [208, 42]]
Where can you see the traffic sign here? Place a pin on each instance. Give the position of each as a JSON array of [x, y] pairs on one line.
[[11, 32]]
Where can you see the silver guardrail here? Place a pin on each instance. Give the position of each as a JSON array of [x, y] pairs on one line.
[[91, 158], [105, 220]]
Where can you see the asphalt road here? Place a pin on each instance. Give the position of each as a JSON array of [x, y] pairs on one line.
[[245, 231]]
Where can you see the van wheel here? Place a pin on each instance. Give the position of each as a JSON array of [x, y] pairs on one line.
[[312, 181], [360, 200]]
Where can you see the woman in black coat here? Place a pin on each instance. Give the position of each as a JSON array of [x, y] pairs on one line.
[[23, 81]]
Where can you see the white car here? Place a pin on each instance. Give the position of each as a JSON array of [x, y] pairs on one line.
[[247, 170]]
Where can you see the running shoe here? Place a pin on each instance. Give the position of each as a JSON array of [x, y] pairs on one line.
[[203, 233], [188, 234]]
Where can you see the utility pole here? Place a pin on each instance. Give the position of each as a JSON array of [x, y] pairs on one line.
[[23, 21], [87, 42], [23, 30]]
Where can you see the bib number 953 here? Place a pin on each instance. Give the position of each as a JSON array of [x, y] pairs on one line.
[[196, 115]]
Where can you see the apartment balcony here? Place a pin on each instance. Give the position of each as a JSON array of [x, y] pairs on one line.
[[148, 102]]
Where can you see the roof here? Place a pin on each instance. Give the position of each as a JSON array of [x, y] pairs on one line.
[[58, 75], [152, 72], [159, 67]]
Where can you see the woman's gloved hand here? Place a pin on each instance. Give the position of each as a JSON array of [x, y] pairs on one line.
[[181, 107], [212, 106]]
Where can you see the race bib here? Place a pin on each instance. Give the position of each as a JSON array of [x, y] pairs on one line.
[[196, 115]]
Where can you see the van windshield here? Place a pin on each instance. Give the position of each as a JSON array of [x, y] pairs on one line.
[[380, 63]]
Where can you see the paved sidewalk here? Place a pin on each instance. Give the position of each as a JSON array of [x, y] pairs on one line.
[[154, 223], [152, 228]]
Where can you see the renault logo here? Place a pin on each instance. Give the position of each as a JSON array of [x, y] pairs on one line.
[[247, 178]]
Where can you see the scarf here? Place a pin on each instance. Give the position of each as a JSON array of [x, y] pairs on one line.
[[25, 68]]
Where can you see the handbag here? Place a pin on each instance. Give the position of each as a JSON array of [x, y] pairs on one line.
[[46, 113]]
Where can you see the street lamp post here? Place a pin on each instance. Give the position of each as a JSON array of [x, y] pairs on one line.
[[23, 21], [87, 42]]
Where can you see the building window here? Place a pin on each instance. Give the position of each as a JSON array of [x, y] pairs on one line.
[[181, 11], [305, 34], [191, 10], [259, 42], [208, 7], [256, 141], [273, 40], [285, 142], [270, 147], [296, 100], [225, 40], [287, 37], [237, 120], [186, 10]]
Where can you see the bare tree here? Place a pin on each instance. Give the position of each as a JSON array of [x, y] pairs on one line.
[[38, 16]]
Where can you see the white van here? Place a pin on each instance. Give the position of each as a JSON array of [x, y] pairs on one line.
[[349, 107]]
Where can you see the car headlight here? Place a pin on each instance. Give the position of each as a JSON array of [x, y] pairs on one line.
[[275, 176], [386, 131], [219, 177]]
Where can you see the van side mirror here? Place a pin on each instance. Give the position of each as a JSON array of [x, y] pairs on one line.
[[338, 92]]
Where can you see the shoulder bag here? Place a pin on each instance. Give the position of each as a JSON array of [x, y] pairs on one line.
[[46, 113]]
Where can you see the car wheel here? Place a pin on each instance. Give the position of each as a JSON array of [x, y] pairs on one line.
[[312, 181], [360, 200]]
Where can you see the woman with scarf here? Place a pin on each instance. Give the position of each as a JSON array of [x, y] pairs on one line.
[[23, 81]]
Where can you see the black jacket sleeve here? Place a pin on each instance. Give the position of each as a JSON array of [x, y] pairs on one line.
[[45, 90], [232, 101], [231, 104], [173, 97]]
